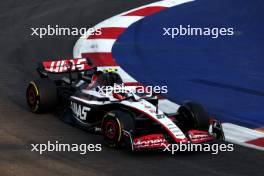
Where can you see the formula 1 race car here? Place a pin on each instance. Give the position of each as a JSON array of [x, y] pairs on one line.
[[126, 117]]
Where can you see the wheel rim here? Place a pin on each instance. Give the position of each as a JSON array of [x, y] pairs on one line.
[[32, 97], [111, 129]]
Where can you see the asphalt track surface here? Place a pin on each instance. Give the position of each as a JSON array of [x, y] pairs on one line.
[[19, 128]]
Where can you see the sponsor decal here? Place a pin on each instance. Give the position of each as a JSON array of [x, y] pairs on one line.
[[199, 136], [62, 66], [151, 141], [80, 111]]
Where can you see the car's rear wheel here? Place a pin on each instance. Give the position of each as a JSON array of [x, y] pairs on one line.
[[41, 95], [194, 116], [113, 125]]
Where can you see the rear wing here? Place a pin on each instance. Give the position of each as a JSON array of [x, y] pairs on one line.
[[69, 66], [66, 65]]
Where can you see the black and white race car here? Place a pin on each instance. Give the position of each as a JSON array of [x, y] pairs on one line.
[[127, 118]]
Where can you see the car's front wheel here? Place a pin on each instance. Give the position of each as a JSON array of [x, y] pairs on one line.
[[113, 125], [194, 116]]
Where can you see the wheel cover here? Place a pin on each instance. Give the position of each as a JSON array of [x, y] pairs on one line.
[[32, 97], [111, 129]]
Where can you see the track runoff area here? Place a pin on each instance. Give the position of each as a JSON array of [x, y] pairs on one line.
[[119, 34]]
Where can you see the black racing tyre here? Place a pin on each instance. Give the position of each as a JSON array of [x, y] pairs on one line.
[[41, 95], [113, 124], [194, 116]]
